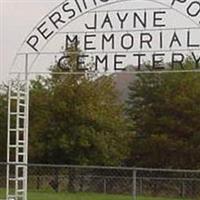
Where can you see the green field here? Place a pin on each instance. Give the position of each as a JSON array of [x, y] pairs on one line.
[[85, 196], [81, 196]]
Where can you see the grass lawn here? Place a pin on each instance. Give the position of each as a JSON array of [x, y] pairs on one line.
[[86, 196], [80, 196]]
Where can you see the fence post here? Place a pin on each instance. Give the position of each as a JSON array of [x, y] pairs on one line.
[[141, 186], [38, 183], [183, 189], [134, 179], [104, 186], [57, 179]]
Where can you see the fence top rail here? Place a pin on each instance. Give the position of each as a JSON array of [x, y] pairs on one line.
[[105, 167]]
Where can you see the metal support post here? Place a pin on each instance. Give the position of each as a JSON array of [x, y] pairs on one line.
[[134, 188], [17, 142]]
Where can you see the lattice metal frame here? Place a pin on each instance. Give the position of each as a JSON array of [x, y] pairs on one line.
[[17, 142]]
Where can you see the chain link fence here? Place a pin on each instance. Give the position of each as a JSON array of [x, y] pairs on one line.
[[133, 182]]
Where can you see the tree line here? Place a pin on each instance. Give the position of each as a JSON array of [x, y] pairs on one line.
[[78, 119]]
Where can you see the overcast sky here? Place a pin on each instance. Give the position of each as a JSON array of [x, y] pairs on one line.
[[17, 18]]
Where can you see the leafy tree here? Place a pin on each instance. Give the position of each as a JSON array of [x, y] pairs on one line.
[[165, 111], [76, 119], [3, 122]]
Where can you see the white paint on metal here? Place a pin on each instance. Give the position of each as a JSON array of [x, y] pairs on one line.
[[18, 116]]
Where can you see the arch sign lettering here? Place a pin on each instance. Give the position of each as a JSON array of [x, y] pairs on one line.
[[115, 33]]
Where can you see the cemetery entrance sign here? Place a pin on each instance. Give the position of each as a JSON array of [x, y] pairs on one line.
[[111, 34], [114, 33]]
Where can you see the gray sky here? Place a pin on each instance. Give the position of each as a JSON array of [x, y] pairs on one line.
[[17, 18]]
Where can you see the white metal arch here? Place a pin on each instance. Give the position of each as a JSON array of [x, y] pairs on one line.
[[85, 12]]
